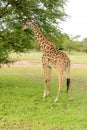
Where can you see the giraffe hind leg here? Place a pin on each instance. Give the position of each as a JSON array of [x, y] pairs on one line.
[[60, 76]]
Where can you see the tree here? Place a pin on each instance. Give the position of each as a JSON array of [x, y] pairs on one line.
[[84, 43], [46, 13], [72, 43], [68, 43]]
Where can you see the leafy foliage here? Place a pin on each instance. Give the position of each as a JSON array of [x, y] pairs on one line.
[[22, 106], [84, 42], [46, 13], [72, 43]]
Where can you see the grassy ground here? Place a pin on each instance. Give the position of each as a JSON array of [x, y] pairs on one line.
[[22, 106]]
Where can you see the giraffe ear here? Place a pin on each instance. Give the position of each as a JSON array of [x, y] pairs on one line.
[[32, 20], [29, 20]]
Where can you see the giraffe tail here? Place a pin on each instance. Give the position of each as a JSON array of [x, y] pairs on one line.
[[68, 76], [68, 83]]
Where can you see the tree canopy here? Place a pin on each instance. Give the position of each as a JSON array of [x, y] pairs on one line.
[[46, 13]]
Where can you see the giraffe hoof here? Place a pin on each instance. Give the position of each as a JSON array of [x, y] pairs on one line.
[[48, 94], [71, 99], [44, 96], [56, 100]]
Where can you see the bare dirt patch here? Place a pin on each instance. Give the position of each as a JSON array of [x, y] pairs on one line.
[[32, 63], [79, 65], [24, 63]]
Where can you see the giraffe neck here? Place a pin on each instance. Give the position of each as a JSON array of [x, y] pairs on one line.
[[41, 39]]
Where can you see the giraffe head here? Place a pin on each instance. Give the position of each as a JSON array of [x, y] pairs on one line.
[[27, 25]]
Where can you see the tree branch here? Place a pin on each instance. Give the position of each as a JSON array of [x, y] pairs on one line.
[[4, 11]]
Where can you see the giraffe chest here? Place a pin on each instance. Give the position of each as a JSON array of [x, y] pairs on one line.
[[49, 59]]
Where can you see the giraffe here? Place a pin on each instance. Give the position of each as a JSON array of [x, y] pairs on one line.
[[52, 57]]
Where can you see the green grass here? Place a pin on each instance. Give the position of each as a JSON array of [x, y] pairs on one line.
[[22, 106]]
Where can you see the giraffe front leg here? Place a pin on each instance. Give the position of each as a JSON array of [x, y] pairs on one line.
[[45, 89], [47, 73], [48, 79], [45, 82]]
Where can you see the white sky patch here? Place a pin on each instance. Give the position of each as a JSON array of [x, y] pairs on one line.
[[77, 23]]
